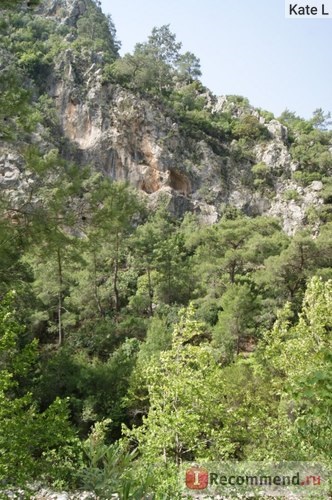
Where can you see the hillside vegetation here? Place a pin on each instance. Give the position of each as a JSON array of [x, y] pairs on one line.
[[137, 333]]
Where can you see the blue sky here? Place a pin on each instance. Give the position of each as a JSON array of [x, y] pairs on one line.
[[246, 47]]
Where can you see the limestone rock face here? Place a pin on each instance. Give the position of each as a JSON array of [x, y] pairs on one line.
[[124, 137], [132, 138], [15, 179], [63, 11], [274, 154], [293, 212], [277, 130]]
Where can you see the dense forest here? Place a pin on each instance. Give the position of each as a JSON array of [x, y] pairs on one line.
[[132, 338]]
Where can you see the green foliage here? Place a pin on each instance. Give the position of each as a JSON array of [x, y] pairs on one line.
[[291, 194], [295, 123], [13, 4], [97, 32], [149, 68], [267, 115], [230, 250], [312, 152], [110, 469], [188, 98], [262, 175], [53, 249], [298, 359], [248, 127], [236, 321], [188, 67], [286, 274], [103, 278], [163, 258], [34, 42], [162, 44], [240, 101], [321, 120], [309, 144], [327, 192], [158, 338], [183, 403], [260, 169], [17, 115], [30, 441], [305, 178], [156, 65], [95, 388]]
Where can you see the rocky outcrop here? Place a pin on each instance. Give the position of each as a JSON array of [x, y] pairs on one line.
[[15, 179], [294, 211], [123, 136], [63, 11], [132, 138]]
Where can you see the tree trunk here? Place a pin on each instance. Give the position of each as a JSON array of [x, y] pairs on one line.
[[150, 291], [60, 283], [96, 293], [116, 271]]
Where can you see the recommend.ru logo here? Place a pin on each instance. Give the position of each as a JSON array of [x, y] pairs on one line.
[[256, 478]]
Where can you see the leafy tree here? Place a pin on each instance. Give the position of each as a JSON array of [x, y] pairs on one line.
[[53, 245], [13, 273], [236, 322], [30, 441], [158, 337], [152, 64], [184, 402], [285, 275], [17, 115], [311, 151], [251, 407], [262, 174], [233, 247], [188, 98], [295, 123], [159, 252], [298, 360], [98, 32], [114, 208], [321, 120], [309, 143], [157, 64], [95, 388], [162, 44], [188, 67], [143, 244]]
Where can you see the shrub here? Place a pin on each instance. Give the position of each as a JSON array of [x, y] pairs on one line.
[[291, 194], [306, 178], [250, 128]]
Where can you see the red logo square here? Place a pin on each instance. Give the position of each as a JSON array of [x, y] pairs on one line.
[[197, 478]]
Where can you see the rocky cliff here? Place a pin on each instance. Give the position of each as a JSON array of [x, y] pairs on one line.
[[135, 137]]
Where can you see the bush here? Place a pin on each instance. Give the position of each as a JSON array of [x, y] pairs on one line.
[[260, 169], [306, 178], [327, 193], [110, 469], [249, 127], [291, 194]]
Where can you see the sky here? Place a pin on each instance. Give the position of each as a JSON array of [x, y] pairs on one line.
[[246, 47]]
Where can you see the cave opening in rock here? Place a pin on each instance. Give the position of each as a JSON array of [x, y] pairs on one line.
[[179, 182]]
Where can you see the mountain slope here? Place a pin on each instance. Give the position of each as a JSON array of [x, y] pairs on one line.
[[181, 145]]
